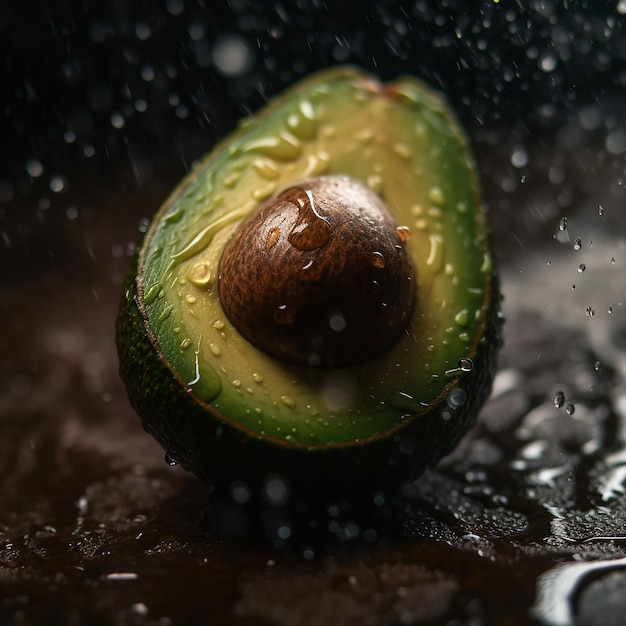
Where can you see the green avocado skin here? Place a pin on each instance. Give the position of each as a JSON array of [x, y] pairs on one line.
[[222, 454]]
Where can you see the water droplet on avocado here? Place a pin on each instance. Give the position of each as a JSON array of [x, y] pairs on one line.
[[170, 458], [581, 268], [378, 260], [174, 215], [435, 256], [283, 147], [402, 150], [303, 123], [375, 183], [231, 180], [199, 275], [311, 230], [570, 409], [436, 196], [165, 313], [266, 168], [403, 233], [288, 401], [462, 317], [466, 365], [273, 234], [151, 295], [578, 243], [284, 315]]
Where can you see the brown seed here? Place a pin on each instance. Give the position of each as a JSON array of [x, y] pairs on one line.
[[317, 276]]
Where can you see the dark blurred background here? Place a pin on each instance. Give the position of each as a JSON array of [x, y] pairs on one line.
[[96, 81]]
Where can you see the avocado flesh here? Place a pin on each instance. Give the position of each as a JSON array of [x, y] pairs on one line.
[[402, 141]]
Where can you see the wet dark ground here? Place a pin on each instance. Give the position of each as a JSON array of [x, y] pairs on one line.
[[525, 523]]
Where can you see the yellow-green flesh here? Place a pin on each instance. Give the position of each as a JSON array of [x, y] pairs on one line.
[[401, 141]]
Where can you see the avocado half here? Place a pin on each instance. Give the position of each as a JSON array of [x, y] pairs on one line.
[[228, 411]]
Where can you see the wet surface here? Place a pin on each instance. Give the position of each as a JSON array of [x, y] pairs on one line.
[[524, 523]]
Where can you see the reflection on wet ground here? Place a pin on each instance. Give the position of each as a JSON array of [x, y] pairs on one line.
[[525, 522]]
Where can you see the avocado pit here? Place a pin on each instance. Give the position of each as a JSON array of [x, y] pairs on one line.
[[319, 275]]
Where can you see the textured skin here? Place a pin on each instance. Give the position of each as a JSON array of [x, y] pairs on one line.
[[310, 275]]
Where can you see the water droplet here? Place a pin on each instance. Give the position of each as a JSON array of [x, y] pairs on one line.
[[232, 55], [215, 349], [462, 318], [578, 243], [403, 233], [266, 168], [589, 312], [596, 366], [288, 401], [375, 183], [337, 321], [303, 123], [402, 150], [170, 458], [519, 158], [273, 235], [257, 378], [57, 184], [284, 315], [230, 180], [456, 398], [581, 268], [199, 275], [165, 313], [600, 210], [240, 492], [311, 230], [185, 343], [151, 295], [378, 260], [610, 309], [563, 224], [559, 399], [435, 255], [570, 409], [276, 491], [282, 147], [466, 365], [612, 260], [34, 167], [436, 196]]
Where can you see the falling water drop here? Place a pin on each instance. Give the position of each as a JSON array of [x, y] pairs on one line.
[[559, 399]]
